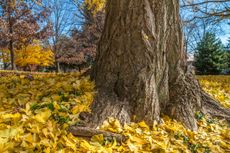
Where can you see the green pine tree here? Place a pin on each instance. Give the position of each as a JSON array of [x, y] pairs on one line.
[[210, 55], [228, 57]]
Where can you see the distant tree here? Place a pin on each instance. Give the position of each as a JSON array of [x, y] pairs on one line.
[[69, 55], [31, 56], [228, 57], [228, 45], [199, 18], [20, 23], [95, 6], [63, 19], [79, 50], [209, 56]]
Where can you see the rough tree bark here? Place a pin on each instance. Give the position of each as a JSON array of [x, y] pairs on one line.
[[141, 70], [11, 42]]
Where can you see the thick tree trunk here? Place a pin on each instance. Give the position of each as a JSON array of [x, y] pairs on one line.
[[141, 70]]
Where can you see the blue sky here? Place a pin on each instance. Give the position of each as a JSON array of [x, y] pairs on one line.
[[225, 35], [225, 38]]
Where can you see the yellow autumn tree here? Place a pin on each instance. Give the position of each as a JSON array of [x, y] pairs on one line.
[[95, 5], [34, 55]]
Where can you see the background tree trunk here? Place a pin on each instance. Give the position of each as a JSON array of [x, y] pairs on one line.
[[11, 42], [141, 68], [12, 57], [57, 64]]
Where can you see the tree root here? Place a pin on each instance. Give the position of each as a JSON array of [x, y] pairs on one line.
[[86, 132], [187, 97], [213, 108], [185, 100]]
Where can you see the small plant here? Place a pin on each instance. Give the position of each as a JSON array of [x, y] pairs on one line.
[[61, 119], [199, 116]]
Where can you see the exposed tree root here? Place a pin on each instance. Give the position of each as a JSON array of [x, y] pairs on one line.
[[87, 133], [214, 108], [187, 97]]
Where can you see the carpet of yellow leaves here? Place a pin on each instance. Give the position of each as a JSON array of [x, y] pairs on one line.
[[217, 86], [37, 110]]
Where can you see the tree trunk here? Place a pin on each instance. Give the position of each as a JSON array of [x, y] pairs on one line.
[[11, 48], [11, 42], [141, 70], [57, 64]]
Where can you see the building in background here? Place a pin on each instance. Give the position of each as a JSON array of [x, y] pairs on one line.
[[1, 65]]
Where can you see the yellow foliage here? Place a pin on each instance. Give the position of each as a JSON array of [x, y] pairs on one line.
[[43, 116], [34, 54], [95, 5], [35, 116]]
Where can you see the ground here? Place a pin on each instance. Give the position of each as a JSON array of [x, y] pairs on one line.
[[37, 110]]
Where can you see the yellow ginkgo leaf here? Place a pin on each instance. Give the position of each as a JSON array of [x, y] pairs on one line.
[[10, 117], [78, 108], [143, 125], [43, 116], [69, 143], [85, 145], [9, 133], [98, 138], [28, 138], [47, 150], [137, 140]]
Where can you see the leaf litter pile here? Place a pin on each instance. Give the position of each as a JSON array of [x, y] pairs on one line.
[[37, 110]]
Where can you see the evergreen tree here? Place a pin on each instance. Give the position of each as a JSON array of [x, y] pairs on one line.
[[228, 57], [210, 56]]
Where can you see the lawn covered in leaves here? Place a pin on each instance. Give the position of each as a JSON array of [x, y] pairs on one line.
[[37, 109], [218, 87]]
